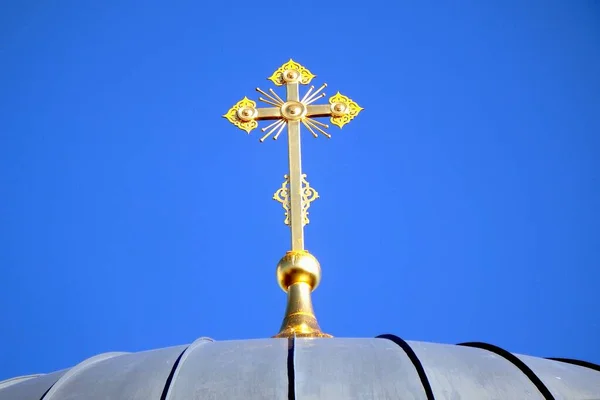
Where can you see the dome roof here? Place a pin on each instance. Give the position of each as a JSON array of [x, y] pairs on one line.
[[386, 367]]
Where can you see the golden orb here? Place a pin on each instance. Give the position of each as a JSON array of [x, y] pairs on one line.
[[338, 109], [298, 266], [293, 110], [247, 113], [291, 75]]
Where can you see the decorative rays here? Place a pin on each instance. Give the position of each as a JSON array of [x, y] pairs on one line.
[[274, 100], [278, 126], [311, 98]]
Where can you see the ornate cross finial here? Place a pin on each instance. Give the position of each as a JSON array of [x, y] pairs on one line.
[[296, 194], [298, 272]]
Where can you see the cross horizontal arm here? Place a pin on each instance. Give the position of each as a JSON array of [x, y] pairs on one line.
[[266, 113], [318, 110]]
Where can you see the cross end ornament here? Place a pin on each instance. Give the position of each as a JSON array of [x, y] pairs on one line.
[[292, 71], [243, 115]]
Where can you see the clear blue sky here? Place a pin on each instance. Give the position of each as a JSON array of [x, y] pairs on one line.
[[461, 205]]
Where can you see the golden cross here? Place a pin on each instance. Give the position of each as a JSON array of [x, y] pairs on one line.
[[295, 193]]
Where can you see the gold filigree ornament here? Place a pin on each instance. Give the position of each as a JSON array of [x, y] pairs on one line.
[[343, 109], [291, 71], [243, 115], [309, 195]]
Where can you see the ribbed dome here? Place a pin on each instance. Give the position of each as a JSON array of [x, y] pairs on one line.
[[380, 368]]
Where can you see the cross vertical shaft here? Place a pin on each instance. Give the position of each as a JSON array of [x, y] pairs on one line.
[[295, 173]]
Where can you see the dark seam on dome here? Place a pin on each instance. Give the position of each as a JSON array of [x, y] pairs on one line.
[[46, 392], [580, 363], [165, 391], [87, 363], [415, 361], [517, 362], [290, 369], [180, 361]]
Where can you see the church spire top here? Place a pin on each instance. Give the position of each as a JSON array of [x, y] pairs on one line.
[[298, 272]]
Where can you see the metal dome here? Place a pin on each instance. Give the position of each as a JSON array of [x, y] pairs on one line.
[[385, 367]]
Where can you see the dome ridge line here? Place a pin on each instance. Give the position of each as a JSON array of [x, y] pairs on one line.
[[510, 357], [415, 361], [17, 379], [87, 363], [166, 394], [580, 363], [291, 373]]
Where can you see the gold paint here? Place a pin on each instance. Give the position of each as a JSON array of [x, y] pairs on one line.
[[291, 72], [311, 122], [313, 97], [343, 109], [269, 102], [298, 272], [310, 129], [246, 107], [295, 175], [318, 110], [308, 196], [268, 113], [276, 126], [293, 110], [246, 114], [275, 100], [291, 76]]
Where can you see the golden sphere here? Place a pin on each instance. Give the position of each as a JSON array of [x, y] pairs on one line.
[[298, 266], [293, 110], [339, 109], [247, 113], [291, 75]]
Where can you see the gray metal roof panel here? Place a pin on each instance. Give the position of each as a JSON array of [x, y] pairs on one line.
[[18, 379], [69, 386], [457, 372], [565, 381], [135, 376], [354, 369], [237, 369], [30, 389]]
